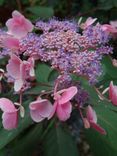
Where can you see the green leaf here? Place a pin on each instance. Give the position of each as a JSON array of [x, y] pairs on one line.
[[106, 114], [52, 76], [107, 119], [41, 12], [105, 4], [7, 136], [109, 68], [38, 89], [109, 73], [59, 142], [93, 95], [42, 72], [99, 147], [28, 143], [86, 5], [115, 3], [2, 2]]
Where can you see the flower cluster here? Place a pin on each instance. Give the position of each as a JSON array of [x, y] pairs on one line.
[[66, 49], [69, 48]]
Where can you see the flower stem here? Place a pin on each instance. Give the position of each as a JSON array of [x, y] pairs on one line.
[[21, 94]]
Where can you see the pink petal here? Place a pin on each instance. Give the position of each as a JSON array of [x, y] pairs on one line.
[[113, 23], [18, 84], [18, 33], [86, 123], [36, 116], [54, 107], [17, 14], [67, 94], [13, 67], [11, 43], [108, 28], [40, 109], [32, 72], [6, 105], [92, 118], [113, 93], [91, 115], [114, 62], [16, 68], [28, 25], [63, 111], [10, 116], [9, 25], [10, 120], [31, 68], [90, 21], [43, 106], [23, 67], [98, 128], [15, 28], [18, 25]]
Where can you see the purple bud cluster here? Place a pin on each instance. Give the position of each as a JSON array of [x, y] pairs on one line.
[[96, 35], [30, 44], [68, 50], [56, 25], [82, 96]]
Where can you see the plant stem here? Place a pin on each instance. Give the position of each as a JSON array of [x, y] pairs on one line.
[[21, 94], [19, 5]]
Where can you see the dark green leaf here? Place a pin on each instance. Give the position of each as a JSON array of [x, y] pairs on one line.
[[28, 143], [41, 12], [107, 119], [53, 75], [38, 89], [42, 72], [105, 4], [2, 2], [106, 114], [115, 3], [59, 142], [99, 146], [109, 68]]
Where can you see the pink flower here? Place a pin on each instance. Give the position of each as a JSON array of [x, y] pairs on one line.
[[109, 28], [40, 109], [17, 69], [113, 93], [113, 24], [91, 121], [11, 43], [62, 105], [10, 116], [18, 25], [88, 22]]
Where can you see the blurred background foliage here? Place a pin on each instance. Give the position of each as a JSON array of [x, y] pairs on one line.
[[104, 10]]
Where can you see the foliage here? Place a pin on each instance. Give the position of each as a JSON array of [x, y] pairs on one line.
[[105, 10]]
